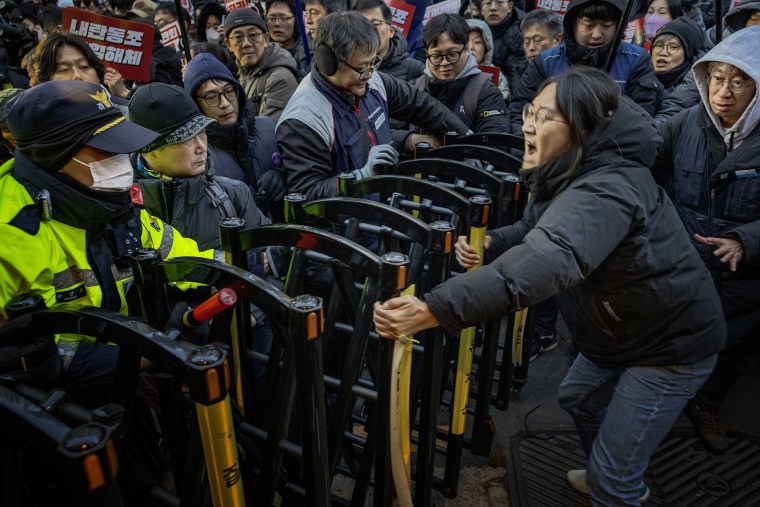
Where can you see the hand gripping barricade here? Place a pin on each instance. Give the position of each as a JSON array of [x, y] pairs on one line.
[[205, 370], [346, 260], [399, 230], [510, 195], [431, 203], [488, 149], [296, 321]]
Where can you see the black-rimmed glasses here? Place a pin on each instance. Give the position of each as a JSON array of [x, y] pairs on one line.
[[213, 99], [672, 48], [452, 57]]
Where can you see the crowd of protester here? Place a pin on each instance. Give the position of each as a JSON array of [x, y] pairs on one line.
[[645, 185]]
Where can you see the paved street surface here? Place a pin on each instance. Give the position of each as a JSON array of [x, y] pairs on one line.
[[483, 481]]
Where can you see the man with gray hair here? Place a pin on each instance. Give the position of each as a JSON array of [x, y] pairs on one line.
[[338, 118], [709, 156], [542, 30]]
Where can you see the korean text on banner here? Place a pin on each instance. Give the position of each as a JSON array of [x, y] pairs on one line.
[[445, 7], [231, 5], [402, 14], [122, 45], [171, 35]]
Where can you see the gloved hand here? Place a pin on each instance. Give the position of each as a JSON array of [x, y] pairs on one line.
[[272, 186], [382, 154], [198, 335]]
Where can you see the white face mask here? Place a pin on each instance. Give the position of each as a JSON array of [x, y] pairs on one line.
[[213, 36], [112, 174]]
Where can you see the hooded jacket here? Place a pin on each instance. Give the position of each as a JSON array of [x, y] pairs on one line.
[[734, 20], [396, 61], [490, 112], [632, 69], [278, 68], [242, 151], [609, 236], [508, 52], [485, 32], [690, 37], [717, 184]]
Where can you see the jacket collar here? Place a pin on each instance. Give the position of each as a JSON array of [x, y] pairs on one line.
[[72, 203]]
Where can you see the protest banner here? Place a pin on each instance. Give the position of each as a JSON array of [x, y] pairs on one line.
[[445, 7], [122, 45], [231, 5], [171, 35], [402, 13]]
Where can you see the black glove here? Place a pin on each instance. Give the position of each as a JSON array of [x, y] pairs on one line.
[[23, 352], [272, 186], [198, 335]]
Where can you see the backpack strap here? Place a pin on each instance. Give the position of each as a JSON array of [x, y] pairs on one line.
[[471, 94], [219, 199]]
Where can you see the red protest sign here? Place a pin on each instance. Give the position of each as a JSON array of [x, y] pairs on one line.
[[558, 6], [231, 5], [491, 71], [122, 45], [402, 13], [171, 35]]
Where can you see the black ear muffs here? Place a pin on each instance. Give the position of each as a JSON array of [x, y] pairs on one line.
[[326, 61]]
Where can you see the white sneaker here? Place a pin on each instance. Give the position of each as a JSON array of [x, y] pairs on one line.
[[577, 480]]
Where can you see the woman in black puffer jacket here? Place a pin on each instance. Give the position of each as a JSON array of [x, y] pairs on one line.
[[604, 232]]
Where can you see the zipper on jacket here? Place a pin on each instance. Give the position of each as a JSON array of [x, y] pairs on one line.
[[358, 112]]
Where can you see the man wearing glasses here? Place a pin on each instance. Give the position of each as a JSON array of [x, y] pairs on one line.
[[453, 77], [267, 71], [281, 21], [241, 144], [508, 54], [589, 27], [338, 119], [711, 155], [393, 46]]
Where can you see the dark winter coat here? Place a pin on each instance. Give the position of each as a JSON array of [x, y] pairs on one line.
[[632, 69], [185, 205], [717, 186], [242, 151], [278, 69], [490, 114], [397, 63], [609, 236], [508, 52], [320, 134]]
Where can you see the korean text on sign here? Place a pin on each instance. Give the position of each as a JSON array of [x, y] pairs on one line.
[[402, 14], [122, 45]]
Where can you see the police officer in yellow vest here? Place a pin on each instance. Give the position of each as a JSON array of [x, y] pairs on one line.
[[67, 222]]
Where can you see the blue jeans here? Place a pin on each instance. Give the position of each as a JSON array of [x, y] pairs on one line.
[[622, 415]]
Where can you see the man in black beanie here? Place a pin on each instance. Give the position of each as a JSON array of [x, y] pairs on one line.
[[67, 220], [267, 71]]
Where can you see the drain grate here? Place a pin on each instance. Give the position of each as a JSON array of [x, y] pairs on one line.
[[682, 472]]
